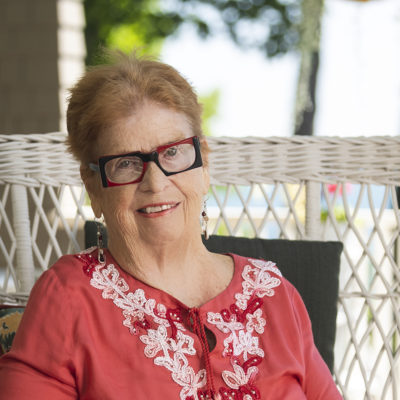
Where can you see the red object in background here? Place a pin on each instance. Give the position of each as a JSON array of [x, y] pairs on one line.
[[332, 187]]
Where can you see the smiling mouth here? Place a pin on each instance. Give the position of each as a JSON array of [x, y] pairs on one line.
[[157, 209]]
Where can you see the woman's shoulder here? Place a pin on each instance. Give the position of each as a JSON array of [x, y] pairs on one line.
[[257, 283], [261, 274], [69, 269], [64, 287], [257, 264]]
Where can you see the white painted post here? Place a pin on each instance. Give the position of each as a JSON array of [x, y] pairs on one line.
[[25, 269], [313, 210]]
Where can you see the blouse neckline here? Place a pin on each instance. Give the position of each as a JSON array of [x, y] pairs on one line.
[[168, 298]]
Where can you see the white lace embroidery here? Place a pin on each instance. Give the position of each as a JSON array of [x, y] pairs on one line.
[[169, 352], [257, 280], [241, 343], [255, 322], [238, 378]]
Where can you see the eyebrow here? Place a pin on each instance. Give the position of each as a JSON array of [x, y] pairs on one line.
[[177, 138]]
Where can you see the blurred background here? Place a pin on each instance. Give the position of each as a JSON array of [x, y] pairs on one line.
[[260, 67]]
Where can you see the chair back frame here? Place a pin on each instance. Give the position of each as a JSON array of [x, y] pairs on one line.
[[321, 188]]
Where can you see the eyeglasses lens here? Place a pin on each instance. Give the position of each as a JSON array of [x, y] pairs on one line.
[[124, 169], [175, 158]]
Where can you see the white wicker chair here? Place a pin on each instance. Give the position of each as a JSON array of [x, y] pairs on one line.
[[300, 187]]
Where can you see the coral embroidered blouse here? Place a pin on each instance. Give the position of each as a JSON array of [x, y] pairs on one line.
[[93, 332]]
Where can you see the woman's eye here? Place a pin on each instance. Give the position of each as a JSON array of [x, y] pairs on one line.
[[171, 151], [124, 164], [128, 163]]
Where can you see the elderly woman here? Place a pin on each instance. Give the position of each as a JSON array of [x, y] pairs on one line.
[[156, 315]]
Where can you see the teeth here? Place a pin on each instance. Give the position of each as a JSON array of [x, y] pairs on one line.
[[149, 210]]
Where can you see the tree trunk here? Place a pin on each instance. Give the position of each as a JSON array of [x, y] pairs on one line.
[[307, 82]]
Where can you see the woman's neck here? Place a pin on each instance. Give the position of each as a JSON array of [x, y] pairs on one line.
[[185, 269]]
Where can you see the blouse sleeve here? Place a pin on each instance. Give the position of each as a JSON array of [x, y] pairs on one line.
[[40, 365], [318, 383]]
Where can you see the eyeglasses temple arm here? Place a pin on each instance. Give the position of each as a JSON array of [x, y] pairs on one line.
[[94, 167]]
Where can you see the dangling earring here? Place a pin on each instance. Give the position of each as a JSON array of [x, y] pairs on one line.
[[204, 220], [100, 250]]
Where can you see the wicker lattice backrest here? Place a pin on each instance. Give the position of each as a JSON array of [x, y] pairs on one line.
[[316, 188]]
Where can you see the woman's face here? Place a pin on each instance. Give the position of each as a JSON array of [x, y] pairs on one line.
[[159, 208]]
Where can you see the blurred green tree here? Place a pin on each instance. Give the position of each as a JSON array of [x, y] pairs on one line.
[[277, 21], [210, 102], [140, 23], [275, 27]]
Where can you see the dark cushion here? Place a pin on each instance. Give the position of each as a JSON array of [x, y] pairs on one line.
[[311, 266], [90, 233]]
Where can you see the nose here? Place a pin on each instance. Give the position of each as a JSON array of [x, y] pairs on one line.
[[154, 179]]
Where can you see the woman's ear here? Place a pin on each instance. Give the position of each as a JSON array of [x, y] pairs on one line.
[[92, 186]]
